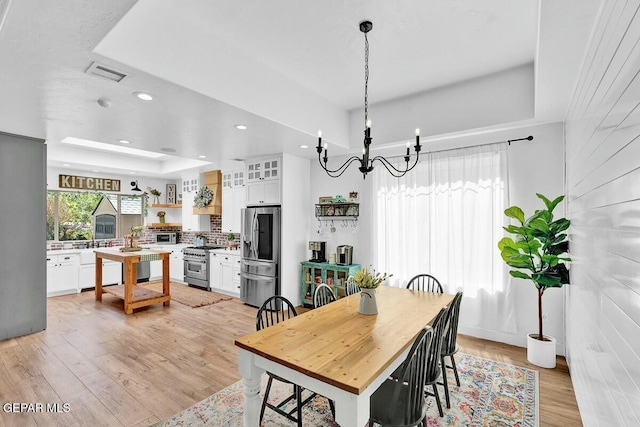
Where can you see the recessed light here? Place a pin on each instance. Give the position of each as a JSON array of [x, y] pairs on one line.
[[304, 146], [202, 156], [168, 150], [124, 141], [95, 170], [66, 165], [143, 96], [241, 127], [132, 173], [85, 143]]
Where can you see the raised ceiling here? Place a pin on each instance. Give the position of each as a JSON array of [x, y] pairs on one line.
[[282, 67]]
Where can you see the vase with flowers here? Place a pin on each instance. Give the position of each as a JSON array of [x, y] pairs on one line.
[[161, 215], [156, 196], [368, 280]]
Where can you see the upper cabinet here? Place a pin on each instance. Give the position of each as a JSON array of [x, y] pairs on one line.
[[233, 200], [197, 219], [263, 181]]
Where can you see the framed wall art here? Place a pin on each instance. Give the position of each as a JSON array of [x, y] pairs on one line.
[[171, 194]]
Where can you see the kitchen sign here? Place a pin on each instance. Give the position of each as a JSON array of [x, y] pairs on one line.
[[88, 183]]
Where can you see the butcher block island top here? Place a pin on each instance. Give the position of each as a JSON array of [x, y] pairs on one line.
[[134, 296]]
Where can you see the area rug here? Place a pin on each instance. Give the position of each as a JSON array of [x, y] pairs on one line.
[[187, 295], [491, 394]]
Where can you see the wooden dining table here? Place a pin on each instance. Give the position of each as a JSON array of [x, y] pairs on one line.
[[337, 352]]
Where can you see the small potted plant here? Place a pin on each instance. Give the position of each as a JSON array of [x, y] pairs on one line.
[[161, 215], [536, 255], [368, 281], [231, 240], [156, 195]]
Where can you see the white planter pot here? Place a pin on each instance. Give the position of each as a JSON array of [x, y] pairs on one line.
[[541, 353], [368, 304]]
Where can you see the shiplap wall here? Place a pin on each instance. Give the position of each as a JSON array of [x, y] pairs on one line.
[[603, 188]]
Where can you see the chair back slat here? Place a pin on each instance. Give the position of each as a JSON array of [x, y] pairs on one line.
[[451, 334], [351, 287], [323, 295], [433, 361], [411, 380], [424, 282], [274, 310]]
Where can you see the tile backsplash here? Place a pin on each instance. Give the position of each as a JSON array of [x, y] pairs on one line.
[[214, 237]]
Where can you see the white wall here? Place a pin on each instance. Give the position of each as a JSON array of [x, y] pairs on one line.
[[603, 186], [295, 223], [534, 167]]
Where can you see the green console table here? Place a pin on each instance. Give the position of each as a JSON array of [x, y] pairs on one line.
[[314, 273]]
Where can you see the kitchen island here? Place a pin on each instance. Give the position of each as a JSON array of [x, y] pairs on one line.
[[133, 296]]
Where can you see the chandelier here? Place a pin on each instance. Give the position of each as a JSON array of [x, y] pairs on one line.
[[366, 163]]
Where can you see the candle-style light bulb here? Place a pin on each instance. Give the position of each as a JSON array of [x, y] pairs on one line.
[[319, 133], [417, 131], [326, 145], [369, 123], [408, 145]]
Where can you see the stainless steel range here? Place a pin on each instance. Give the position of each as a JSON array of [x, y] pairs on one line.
[[196, 265]]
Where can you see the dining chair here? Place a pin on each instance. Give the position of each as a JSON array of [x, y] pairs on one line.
[[351, 288], [275, 310], [323, 295], [399, 401], [449, 345], [425, 282], [433, 360]]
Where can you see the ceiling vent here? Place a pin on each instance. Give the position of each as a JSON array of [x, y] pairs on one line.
[[99, 70]]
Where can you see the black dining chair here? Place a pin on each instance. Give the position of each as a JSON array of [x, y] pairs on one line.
[[399, 401], [450, 346], [323, 295], [433, 361], [275, 310], [425, 282]]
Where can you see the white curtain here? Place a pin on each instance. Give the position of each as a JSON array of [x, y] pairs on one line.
[[445, 218]]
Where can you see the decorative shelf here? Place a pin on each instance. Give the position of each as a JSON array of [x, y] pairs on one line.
[[165, 224], [161, 205], [337, 210]]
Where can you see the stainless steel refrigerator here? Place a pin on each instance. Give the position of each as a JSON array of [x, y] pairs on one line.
[[260, 250]]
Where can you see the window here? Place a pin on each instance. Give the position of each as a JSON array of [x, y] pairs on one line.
[[89, 215], [445, 218]]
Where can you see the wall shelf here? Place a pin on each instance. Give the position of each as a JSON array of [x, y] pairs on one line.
[[165, 224], [337, 210], [161, 205]]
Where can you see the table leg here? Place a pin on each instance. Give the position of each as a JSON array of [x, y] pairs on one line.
[[130, 278], [251, 376], [98, 280], [165, 277], [353, 410]]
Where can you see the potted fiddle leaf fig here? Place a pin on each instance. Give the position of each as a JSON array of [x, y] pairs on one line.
[[537, 254]]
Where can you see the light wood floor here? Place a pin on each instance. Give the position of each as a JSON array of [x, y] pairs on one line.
[[135, 370]]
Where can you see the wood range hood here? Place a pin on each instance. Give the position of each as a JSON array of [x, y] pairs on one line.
[[213, 180]]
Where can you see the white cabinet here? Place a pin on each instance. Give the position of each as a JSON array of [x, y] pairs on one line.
[[263, 170], [62, 274], [155, 267], [225, 272], [191, 222], [263, 181], [111, 270], [263, 193], [215, 270], [234, 196], [235, 273], [176, 264]]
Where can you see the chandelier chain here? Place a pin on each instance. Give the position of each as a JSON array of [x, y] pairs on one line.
[[366, 79]]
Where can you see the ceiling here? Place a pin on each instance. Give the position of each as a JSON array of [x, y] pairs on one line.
[[283, 68]]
